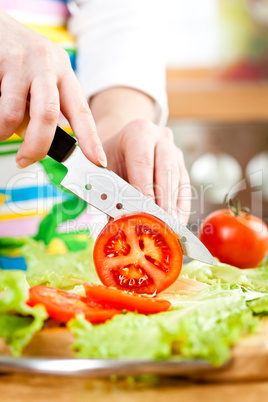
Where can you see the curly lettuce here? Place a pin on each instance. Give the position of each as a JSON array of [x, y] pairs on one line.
[[204, 326], [18, 321], [254, 279]]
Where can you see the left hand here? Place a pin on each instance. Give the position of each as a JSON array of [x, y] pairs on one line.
[[145, 155]]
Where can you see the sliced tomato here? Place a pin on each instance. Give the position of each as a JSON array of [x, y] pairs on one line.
[[124, 300], [63, 306], [137, 252]]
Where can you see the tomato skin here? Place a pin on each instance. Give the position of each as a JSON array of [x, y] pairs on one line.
[[137, 252], [121, 299], [63, 306], [241, 241]]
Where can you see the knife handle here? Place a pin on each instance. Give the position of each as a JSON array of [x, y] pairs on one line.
[[62, 142]]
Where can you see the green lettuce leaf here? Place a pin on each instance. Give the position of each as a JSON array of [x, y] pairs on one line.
[[254, 278], [63, 271], [204, 326], [259, 306], [18, 321]]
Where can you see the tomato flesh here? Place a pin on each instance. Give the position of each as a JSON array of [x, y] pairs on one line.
[[63, 306], [121, 299], [240, 240], [137, 252]]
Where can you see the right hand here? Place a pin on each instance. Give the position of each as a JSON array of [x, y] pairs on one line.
[[33, 68]]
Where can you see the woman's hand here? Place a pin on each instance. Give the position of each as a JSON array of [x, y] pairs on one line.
[[34, 69], [145, 155]]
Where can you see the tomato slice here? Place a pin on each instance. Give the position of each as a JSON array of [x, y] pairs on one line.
[[63, 306], [121, 299], [137, 252]]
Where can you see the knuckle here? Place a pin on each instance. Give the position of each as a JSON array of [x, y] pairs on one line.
[[14, 52], [63, 55], [141, 125], [13, 117], [43, 48], [19, 67], [143, 161], [138, 131], [50, 112], [168, 133], [84, 110], [64, 63], [44, 52], [171, 167], [169, 164]]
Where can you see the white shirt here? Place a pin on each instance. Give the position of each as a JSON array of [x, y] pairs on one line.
[[121, 43]]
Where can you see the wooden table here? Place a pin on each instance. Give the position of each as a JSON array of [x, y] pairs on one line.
[[250, 362], [25, 388]]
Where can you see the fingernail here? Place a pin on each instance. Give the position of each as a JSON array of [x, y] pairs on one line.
[[101, 156], [24, 162]]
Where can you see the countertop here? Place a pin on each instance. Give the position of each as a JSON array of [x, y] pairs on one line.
[[27, 388]]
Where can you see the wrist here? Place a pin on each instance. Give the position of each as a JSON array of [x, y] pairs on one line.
[[114, 108], [109, 125]]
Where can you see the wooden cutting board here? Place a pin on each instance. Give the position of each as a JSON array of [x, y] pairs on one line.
[[249, 357]]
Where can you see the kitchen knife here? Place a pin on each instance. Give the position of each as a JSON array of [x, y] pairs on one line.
[[97, 368], [106, 191]]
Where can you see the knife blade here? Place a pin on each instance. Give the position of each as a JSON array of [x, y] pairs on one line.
[[101, 368], [109, 193]]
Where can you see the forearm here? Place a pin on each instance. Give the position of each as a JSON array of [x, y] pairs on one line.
[[113, 108]]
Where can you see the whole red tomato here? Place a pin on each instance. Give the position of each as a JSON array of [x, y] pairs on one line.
[[238, 239]]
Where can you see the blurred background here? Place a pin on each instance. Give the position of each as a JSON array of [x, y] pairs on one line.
[[217, 82]]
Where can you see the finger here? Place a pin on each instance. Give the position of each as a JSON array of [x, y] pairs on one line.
[[138, 146], [12, 104], [167, 175], [76, 109], [185, 192], [44, 114]]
